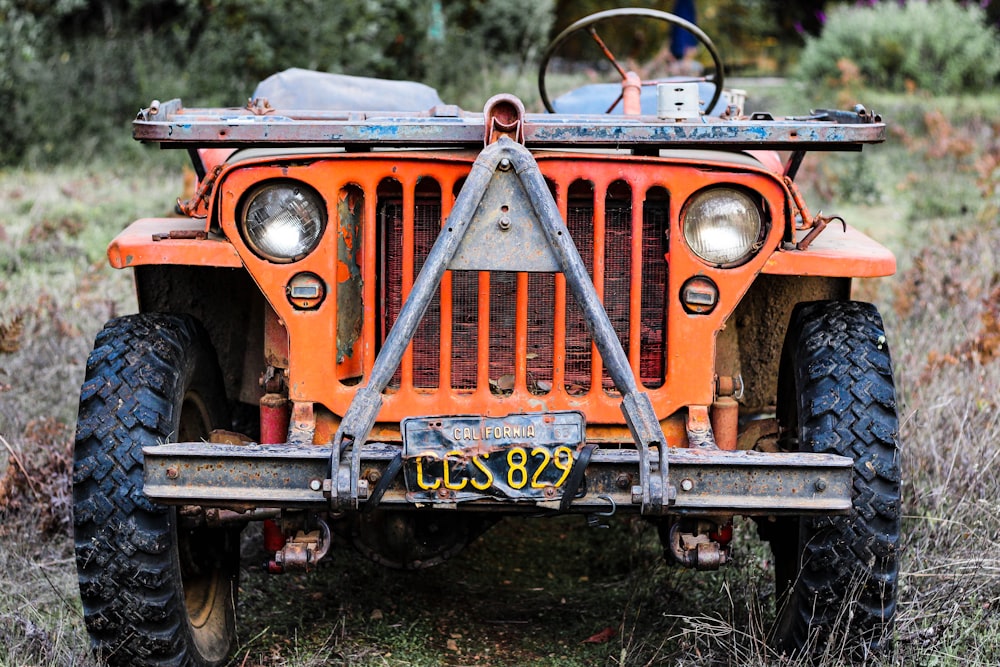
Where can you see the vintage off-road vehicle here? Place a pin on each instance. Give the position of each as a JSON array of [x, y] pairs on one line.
[[384, 318]]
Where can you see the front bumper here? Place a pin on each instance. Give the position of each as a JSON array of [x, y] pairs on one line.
[[700, 481]]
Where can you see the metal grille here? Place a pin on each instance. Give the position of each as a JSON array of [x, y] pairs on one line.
[[538, 325], [465, 328], [426, 225]]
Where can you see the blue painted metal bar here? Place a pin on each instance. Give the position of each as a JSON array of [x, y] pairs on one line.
[[171, 125]]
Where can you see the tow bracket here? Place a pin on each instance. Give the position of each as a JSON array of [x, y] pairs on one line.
[[504, 219]]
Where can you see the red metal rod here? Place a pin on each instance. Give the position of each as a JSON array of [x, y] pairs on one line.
[[605, 50], [275, 414]]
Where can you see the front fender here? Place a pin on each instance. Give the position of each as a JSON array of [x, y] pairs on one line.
[[177, 241]]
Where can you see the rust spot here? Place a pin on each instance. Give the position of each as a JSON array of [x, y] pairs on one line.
[[350, 310]]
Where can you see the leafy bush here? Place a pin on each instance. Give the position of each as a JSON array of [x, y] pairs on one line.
[[940, 46], [76, 71]]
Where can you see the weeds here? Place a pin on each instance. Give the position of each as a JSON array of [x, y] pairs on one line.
[[38, 481], [10, 333], [532, 592]]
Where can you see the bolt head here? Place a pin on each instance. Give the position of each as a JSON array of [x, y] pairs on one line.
[[316, 484], [686, 484], [820, 484], [173, 473]]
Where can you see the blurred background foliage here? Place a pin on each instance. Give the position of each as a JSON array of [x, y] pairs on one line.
[[938, 47], [75, 71]]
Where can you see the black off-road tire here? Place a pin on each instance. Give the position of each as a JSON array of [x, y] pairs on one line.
[[836, 576], [154, 593]]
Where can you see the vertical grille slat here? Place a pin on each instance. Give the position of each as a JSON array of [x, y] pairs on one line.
[[503, 328], [465, 328], [618, 264], [483, 333], [580, 222], [410, 247], [652, 345], [634, 350], [544, 313], [426, 343], [408, 240], [501, 331], [447, 313], [521, 333], [559, 305]]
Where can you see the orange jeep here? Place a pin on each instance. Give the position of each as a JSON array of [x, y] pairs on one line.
[[386, 318]]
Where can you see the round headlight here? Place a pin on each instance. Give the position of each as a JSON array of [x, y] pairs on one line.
[[722, 226], [283, 221]]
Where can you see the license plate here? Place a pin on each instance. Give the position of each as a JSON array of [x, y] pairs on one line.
[[518, 457]]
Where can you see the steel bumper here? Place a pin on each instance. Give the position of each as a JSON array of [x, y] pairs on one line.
[[703, 481]]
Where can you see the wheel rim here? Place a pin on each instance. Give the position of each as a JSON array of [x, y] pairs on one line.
[[204, 579], [200, 597], [195, 422]]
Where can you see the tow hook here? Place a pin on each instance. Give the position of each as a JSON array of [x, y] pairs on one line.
[[697, 549], [303, 551], [819, 224], [594, 518]]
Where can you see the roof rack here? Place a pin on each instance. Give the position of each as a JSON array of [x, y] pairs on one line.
[[172, 125]]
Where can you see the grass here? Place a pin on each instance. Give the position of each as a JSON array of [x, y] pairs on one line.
[[530, 591], [533, 592]]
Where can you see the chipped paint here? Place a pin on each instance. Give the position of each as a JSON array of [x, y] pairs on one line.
[[350, 310]]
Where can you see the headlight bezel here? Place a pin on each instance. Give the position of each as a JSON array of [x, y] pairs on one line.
[[311, 197], [755, 203]]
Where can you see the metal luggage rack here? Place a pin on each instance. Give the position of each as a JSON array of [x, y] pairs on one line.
[[172, 125]]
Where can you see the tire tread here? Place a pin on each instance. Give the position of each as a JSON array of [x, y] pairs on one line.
[[132, 605], [842, 373]]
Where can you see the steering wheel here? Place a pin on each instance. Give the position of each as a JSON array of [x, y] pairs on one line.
[[588, 23]]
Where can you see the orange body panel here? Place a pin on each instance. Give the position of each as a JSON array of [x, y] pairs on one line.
[[328, 371], [835, 253], [314, 374], [137, 245]]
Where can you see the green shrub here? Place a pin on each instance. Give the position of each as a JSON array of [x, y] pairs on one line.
[[939, 46], [488, 47], [76, 71]]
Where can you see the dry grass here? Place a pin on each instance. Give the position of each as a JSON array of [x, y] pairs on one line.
[[55, 293], [527, 593]]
